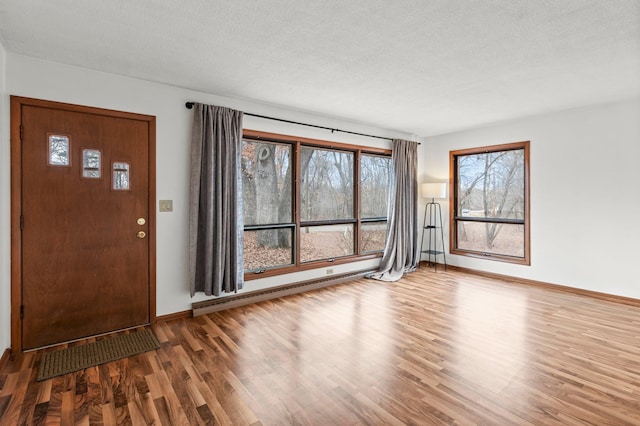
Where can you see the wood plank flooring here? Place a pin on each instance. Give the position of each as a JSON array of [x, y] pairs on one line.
[[435, 348]]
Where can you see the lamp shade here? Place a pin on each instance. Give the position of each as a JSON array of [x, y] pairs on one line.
[[434, 190]]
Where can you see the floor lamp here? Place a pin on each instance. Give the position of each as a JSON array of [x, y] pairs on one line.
[[433, 222]]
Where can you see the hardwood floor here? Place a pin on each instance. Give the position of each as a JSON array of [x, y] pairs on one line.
[[434, 348]]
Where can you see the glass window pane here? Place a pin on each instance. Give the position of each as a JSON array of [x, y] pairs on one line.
[[59, 150], [494, 238], [372, 236], [375, 174], [267, 248], [266, 182], [326, 242], [491, 184], [326, 190], [91, 163], [121, 176]]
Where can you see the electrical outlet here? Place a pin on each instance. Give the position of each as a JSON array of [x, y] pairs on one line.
[[329, 271]]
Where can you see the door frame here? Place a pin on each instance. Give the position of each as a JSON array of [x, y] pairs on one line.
[[17, 103]]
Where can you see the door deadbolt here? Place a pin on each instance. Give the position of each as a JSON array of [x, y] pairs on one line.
[[141, 221], [141, 234]]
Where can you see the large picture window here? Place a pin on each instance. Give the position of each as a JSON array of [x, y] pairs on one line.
[[490, 203], [309, 203]]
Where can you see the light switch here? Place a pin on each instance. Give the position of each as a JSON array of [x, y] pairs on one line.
[[166, 205]]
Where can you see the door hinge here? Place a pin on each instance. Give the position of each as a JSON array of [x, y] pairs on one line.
[[21, 222], [21, 312], [21, 132]]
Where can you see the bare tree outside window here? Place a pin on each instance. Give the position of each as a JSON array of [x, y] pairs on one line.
[[326, 191]]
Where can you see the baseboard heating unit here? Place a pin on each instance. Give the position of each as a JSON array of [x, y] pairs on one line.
[[228, 302]]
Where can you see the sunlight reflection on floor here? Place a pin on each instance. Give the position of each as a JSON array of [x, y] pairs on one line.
[[484, 316]]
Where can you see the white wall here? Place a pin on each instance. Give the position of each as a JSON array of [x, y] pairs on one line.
[[585, 195], [5, 211], [34, 78]]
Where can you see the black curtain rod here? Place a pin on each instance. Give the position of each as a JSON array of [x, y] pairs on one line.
[[189, 105]]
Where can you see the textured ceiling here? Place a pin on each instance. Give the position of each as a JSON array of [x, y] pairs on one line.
[[419, 66]]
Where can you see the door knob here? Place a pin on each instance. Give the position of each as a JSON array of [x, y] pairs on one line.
[[141, 234]]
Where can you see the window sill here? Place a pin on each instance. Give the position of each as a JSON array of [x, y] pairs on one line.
[[249, 276], [491, 256]]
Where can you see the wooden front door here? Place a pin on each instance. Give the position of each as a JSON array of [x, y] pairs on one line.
[[86, 221]]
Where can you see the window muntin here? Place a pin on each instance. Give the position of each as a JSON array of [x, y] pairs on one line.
[[490, 205], [317, 197]]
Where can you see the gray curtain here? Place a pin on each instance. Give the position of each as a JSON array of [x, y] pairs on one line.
[[401, 251], [215, 223]]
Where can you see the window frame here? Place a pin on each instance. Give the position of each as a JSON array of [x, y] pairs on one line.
[[297, 224], [455, 217]]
